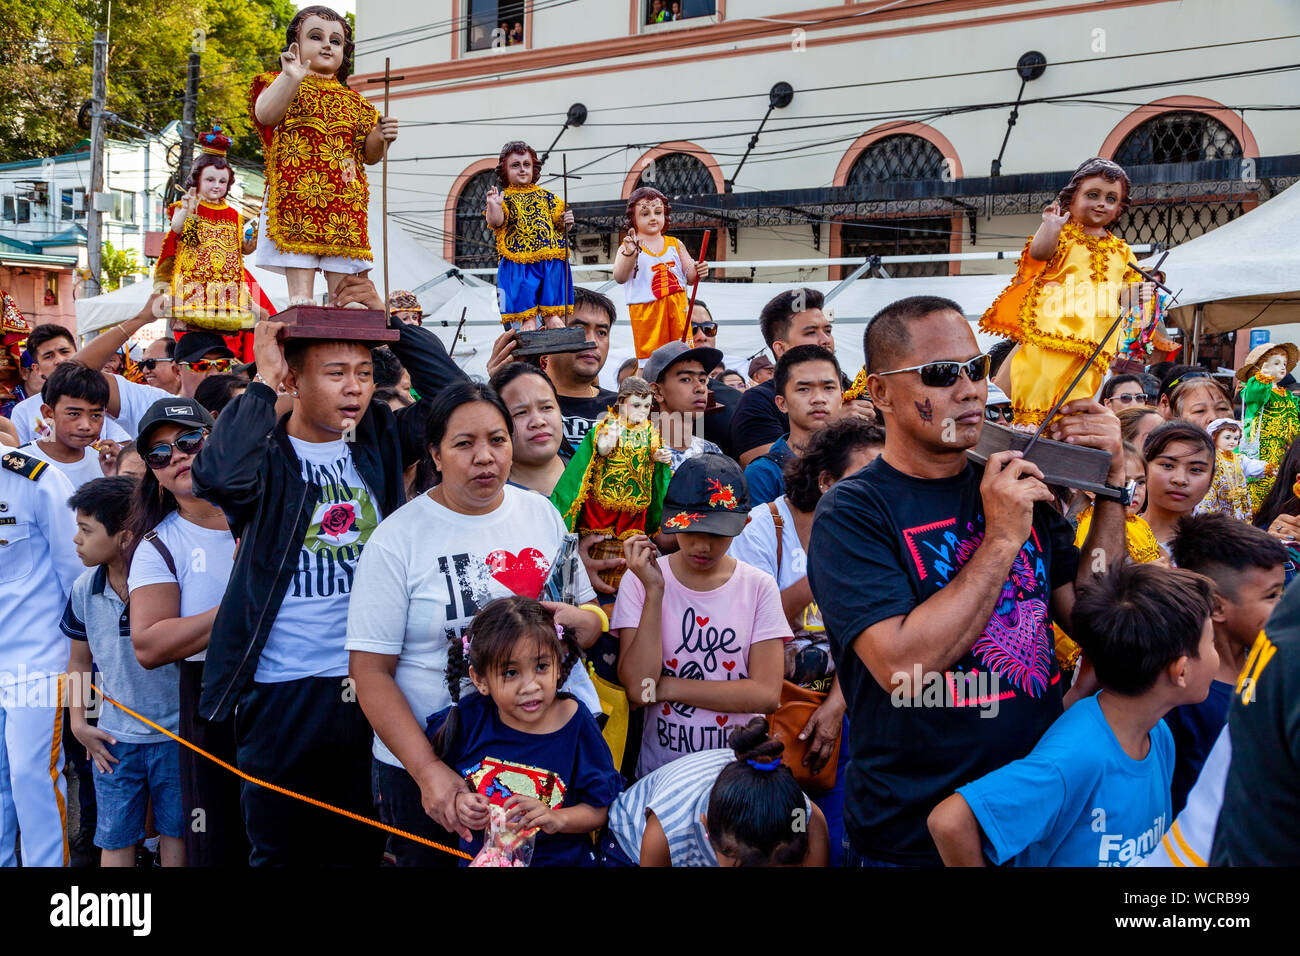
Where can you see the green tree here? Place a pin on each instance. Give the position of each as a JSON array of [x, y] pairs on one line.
[[115, 263], [46, 46]]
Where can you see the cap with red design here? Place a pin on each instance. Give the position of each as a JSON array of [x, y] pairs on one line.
[[707, 494]]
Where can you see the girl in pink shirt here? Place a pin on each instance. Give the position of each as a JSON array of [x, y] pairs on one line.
[[700, 633]]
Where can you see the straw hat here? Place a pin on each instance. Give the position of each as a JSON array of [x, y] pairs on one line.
[[1257, 354]]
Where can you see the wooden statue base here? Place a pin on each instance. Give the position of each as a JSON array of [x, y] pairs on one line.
[[347, 325], [550, 341], [1060, 463]]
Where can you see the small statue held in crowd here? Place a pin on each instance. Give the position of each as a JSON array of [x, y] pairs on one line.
[[616, 481], [1270, 413]]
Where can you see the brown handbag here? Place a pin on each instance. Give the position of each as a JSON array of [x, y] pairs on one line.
[[797, 705]]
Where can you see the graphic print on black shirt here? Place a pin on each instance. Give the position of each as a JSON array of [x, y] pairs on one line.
[[882, 544], [579, 414], [1016, 643]]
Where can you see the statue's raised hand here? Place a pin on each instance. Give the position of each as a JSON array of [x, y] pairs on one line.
[[292, 65]]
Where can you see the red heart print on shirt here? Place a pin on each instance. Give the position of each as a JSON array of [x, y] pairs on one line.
[[702, 621], [729, 665], [524, 574], [721, 719]]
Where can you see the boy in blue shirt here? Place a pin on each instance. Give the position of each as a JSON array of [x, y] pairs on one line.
[[135, 766], [1094, 791]]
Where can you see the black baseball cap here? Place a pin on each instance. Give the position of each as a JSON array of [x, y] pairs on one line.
[[192, 346], [668, 355], [175, 410], [708, 494]]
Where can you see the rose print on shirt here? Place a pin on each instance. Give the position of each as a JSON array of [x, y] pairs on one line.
[[338, 521]]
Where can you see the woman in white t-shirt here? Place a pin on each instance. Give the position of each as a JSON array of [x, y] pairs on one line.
[[182, 561], [838, 450], [425, 572]]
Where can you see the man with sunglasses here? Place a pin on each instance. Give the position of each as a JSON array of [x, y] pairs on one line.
[[704, 335], [302, 493], [159, 365], [198, 354], [935, 579]]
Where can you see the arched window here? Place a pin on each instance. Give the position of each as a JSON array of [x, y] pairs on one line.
[[677, 174], [475, 242], [891, 159], [681, 174], [1178, 137]]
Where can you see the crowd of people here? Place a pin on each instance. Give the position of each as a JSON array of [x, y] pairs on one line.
[[339, 570]]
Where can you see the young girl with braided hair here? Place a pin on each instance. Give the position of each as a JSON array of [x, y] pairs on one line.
[[726, 807], [520, 743]]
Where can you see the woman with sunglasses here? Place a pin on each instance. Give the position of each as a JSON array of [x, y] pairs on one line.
[[1123, 391], [182, 560]]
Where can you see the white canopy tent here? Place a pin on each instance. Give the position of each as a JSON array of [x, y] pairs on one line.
[[735, 306], [411, 266], [1245, 273]]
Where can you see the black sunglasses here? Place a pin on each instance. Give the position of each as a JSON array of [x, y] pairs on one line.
[[187, 443], [995, 413], [708, 328], [945, 374], [152, 363]]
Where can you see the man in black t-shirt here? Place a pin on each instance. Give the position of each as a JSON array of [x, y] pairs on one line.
[[1261, 800], [574, 374], [938, 584], [792, 318]]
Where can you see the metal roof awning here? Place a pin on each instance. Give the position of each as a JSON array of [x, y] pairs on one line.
[[1020, 194], [23, 260]]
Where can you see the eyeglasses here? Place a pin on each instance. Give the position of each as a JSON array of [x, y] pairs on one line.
[[995, 413], [708, 328], [187, 443], [150, 364], [210, 365], [945, 374], [1128, 398]]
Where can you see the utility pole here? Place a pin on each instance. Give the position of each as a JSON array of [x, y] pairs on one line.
[[94, 224], [187, 121]]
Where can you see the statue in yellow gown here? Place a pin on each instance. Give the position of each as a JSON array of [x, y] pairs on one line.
[[1066, 294]]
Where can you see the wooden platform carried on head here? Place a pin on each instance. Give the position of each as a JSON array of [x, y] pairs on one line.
[[551, 341], [347, 325]]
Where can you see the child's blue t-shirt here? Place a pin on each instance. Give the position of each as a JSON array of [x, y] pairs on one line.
[[1078, 799], [500, 762]]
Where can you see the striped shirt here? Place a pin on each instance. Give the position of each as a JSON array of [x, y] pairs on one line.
[[678, 794]]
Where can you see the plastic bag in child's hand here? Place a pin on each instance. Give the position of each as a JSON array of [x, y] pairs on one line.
[[502, 844]]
